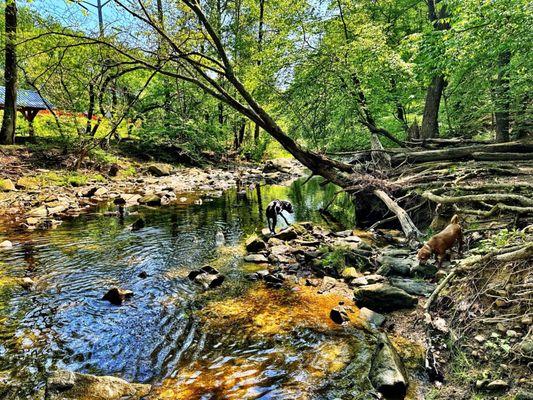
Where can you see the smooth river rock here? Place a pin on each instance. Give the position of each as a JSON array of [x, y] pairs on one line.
[[383, 297], [387, 373], [6, 244], [207, 276], [254, 244], [415, 287], [256, 258], [67, 385], [374, 319], [159, 170]]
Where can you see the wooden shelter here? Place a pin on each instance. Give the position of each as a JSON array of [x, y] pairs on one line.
[[29, 103]]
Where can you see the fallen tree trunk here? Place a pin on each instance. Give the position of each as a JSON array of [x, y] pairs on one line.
[[473, 198], [484, 156], [462, 153], [448, 141]]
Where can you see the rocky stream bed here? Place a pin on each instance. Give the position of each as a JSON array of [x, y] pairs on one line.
[[207, 303]]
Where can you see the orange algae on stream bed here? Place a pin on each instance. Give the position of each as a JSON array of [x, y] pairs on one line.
[[264, 311], [263, 315]]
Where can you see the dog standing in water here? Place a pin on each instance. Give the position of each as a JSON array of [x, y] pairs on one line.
[[442, 242], [275, 208]]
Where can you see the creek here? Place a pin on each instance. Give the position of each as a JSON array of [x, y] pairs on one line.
[[240, 341]]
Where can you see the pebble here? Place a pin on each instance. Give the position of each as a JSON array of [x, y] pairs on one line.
[[512, 334], [479, 338], [6, 244]]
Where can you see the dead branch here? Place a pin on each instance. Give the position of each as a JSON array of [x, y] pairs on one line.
[[408, 227]]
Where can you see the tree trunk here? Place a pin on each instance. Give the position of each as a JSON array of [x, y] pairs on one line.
[[259, 49], [90, 110], [430, 119], [9, 122], [502, 100]]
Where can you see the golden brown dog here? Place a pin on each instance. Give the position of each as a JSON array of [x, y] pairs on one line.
[[441, 242]]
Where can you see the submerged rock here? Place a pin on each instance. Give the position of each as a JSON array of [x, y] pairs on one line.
[[117, 296], [67, 385], [338, 314], [387, 373], [138, 224], [27, 283], [383, 297], [207, 276]]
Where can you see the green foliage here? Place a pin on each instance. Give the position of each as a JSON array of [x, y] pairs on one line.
[[503, 237], [308, 72]]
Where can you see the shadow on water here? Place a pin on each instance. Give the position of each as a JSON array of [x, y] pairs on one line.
[[159, 335]]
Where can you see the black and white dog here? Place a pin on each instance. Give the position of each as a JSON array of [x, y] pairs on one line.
[[275, 208]]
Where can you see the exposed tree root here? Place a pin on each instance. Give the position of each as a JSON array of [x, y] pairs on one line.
[[505, 255]]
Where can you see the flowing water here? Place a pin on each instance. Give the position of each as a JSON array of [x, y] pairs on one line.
[[241, 341]]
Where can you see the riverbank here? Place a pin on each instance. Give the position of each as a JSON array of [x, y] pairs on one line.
[[36, 195]]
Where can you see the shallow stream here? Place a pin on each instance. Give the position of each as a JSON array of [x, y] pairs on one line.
[[240, 341]]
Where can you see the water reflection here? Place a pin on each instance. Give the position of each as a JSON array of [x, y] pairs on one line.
[[64, 322]]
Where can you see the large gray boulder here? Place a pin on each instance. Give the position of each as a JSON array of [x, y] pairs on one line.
[[383, 297], [391, 265], [68, 385], [414, 287], [387, 373]]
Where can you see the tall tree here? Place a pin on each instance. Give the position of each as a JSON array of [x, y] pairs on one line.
[[502, 98], [259, 50], [430, 118], [7, 132]]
